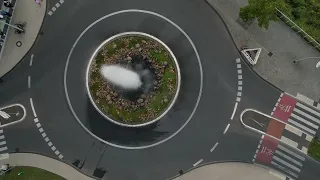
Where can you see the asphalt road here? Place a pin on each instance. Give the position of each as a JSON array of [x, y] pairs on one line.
[[215, 80]]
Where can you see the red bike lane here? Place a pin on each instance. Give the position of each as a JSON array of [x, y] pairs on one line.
[[275, 128]]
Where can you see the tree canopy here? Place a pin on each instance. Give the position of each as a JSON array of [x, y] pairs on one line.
[[262, 10]]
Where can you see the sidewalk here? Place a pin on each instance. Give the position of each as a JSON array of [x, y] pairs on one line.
[[46, 163], [238, 171], [285, 46], [24, 11]]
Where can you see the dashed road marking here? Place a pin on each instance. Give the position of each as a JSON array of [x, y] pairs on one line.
[[29, 82], [42, 132], [197, 163], [224, 132], [31, 60], [55, 7], [214, 147], [234, 110]]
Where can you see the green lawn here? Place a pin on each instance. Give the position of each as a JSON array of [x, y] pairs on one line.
[[305, 13], [314, 149], [29, 173]]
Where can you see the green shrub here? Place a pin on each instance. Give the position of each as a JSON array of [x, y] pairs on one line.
[[297, 3]]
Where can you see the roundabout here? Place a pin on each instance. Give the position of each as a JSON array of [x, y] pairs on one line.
[[172, 121], [133, 79]]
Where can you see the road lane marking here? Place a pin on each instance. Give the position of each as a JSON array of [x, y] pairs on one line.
[[288, 158], [29, 82], [36, 120], [309, 138], [240, 83], [289, 141], [239, 93], [224, 132], [291, 152], [239, 77], [234, 110], [284, 169], [197, 163], [239, 71], [32, 107], [238, 99], [306, 115], [302, 106], [238, 60], [302, 126], [293, 130], [3, 143], [149, 13], [239, 66], [31, 60], [214, 147], [304, 121], [286, 163]]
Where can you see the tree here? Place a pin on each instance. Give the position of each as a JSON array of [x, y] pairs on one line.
[[262, 10]]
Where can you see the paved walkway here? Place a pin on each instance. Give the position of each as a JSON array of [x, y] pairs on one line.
[[46, 163], [24, 11], [285, 45], [238, 171]]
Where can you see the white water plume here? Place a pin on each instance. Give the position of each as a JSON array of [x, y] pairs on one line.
[[121, 76]]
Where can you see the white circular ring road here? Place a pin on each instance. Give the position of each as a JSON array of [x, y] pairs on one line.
[[145, 12]]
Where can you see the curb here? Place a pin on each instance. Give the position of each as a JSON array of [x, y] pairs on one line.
[[62, 161], [238, 49], [37, 38], [210, 163]]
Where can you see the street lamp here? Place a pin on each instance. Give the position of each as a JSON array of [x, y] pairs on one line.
[[317, 65]]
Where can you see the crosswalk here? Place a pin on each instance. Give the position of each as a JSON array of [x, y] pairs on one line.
[[3, 146], [288, 161], [305, 118]]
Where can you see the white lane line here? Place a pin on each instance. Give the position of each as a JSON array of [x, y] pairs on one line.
[[304, 121], [304, 150], [238, 60], [32, 107], [61, 1], [214, 147], [57, 152], [306, 115], [41, 130], [50, 13], [3, 148], [308, 109], [53, 148], [31, 60], [302, 126], [238, 99], [291, 152], [57, 5], [286, 163], [240, 83], [49, 144], [239, 93], [60, 156], [3, 143], [38, 125], [29, 82], [289, 141], [2, 137], [239, 66], [53, 9], [197, 163], [1, 131], [239, 88], [234, 110], [46, 139], [293, 130], [309, 138], [288, 158], [36, 120], [239, 77], [224, 132], [239, 71]]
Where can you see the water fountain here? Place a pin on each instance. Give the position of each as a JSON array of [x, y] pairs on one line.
[[133, 79]]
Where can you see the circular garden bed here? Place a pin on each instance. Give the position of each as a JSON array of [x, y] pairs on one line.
[[156, 67]]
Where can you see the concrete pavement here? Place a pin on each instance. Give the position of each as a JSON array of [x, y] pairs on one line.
[[285, 46], [24, 11], [46, 163], [231, 170]]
